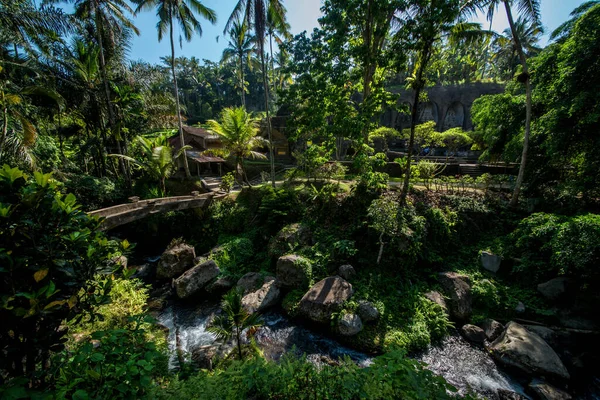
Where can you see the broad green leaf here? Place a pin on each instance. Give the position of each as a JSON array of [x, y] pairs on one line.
[[41, 274]]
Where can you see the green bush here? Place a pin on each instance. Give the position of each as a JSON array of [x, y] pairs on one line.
[[391, 376], [54, 261], [550, 245], [128, 298], [117, 364], [233, 254], [93, 192]]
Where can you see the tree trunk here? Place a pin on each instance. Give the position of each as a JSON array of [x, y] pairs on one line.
[[380, 248], [176, 92], [272, 64], [414, 120], [242, 80], [528, 107], [4, 129], [111, 111], [266, 89], [239, 342]]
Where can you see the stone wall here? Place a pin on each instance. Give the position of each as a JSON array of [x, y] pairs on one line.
[[449, 106]]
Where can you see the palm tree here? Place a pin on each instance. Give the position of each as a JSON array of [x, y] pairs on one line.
[[254, 12], [529, 9], [24, 24], [279, 29], [157, 158], [109, 21], [507, 54], [565, 28], [241, 46], [238, 131], [12, 116], [429, 20], [182, 11], [235, 320]]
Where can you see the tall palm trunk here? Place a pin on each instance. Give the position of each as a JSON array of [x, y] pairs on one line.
[[266, 88], [111, 111], [272, 63], [528, 106], [242, 80], [414, 119], [176, 91]]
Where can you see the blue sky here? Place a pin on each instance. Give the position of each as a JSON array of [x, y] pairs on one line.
[[302, 15]]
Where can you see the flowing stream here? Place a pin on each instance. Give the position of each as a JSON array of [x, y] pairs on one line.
[[466, 367]]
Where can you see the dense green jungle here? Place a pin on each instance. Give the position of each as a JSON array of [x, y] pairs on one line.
[[400, 204]]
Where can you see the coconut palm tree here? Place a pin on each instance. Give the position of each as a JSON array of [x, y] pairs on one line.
[[109, 19], [234, 321], [566, 27], [529, 9], [278, 29], [13, 120], [157, 158], [254, 12], [25, 25], [238, 131], [507, 56], [241, 46], [183, 11]]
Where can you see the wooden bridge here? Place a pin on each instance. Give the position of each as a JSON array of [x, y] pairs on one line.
[[126, 213]]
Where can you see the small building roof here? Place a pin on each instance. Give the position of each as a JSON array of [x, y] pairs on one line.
[[195, 131], [202, 158]]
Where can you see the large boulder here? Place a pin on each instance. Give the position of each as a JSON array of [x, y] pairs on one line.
[[473, 333], [459, 291], [346, 271], [195, 279], [526, 351], [367, 311], [545, 391], [267, 296], [293, 271], [491, 328], [553, 289], [291, 235], [349, 325], [324, 298], [504, 394], [221, 285], [250, 282], [490, 262], [437, 298], [175, 261]]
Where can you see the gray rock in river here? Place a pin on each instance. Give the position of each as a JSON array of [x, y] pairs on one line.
[[491, 328], [349, 325], [293, 271], [221, 285], [526, 351], [195, 279], [458, 289], [545, 391], [473, 333], [490, 262], [367, 311], [554, 288], [346, 271], [324, 298], [437, 298], [175, 261], [250, 282], [265, 297]]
